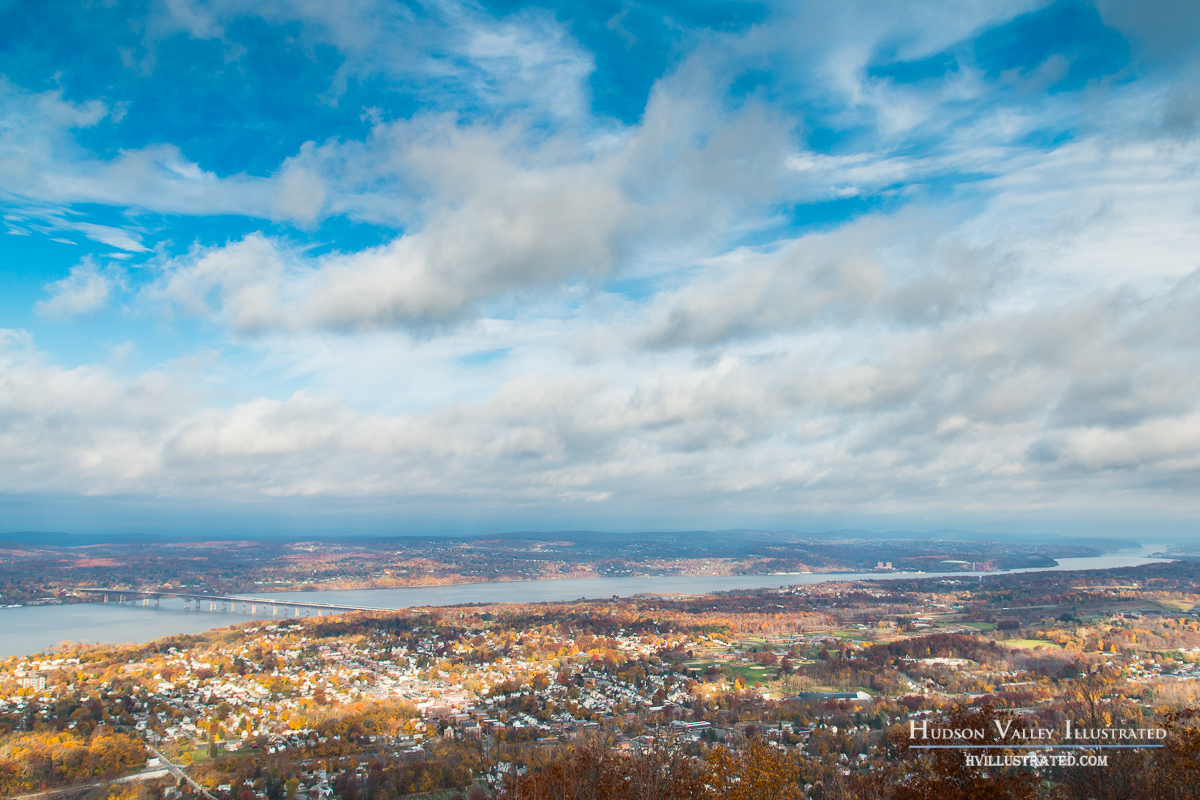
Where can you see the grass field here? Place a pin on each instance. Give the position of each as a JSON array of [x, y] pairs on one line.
[[197, 756], [1173, 605], [1029, 644], [750, 673]]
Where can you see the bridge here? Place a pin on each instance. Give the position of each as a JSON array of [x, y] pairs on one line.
[[228, 603]]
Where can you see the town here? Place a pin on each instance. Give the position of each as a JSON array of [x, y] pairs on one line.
[[813, 685]]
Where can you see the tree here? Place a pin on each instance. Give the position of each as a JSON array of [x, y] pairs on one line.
[[1177, 764], [593, 772], [754, 772], [347, 786], [1087, 692], [944, 774]]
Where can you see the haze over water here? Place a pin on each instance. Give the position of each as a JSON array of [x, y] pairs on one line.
[[33, 628]]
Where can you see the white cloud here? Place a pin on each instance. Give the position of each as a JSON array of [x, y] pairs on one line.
[[113, 237], [899, 270], [509, 231], [301, 194], [86, 289]]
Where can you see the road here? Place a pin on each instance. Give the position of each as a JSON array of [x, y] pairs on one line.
[[179, 773]]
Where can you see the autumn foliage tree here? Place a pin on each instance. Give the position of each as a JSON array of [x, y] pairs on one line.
[[943, 774], [1176, 768], [27, 761], [595, 772], [753, 771]]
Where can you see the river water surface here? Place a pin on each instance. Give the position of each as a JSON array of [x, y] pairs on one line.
[[30, 629]]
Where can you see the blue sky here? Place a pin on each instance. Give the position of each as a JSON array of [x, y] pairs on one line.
[[460, 267]]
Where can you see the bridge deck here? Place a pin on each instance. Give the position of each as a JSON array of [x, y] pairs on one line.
[[227, 598]]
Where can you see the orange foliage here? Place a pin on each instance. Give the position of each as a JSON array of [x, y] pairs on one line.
[[26, 760], [755, 771], [596, 773]]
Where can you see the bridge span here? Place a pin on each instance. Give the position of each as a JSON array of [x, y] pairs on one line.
[[228, 603]]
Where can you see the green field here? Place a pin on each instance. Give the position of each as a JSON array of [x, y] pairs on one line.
[[1173, 605], [198, 756], [1029, 644], [749, 674]]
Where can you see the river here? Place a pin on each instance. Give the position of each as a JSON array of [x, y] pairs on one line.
[[30, 629]]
